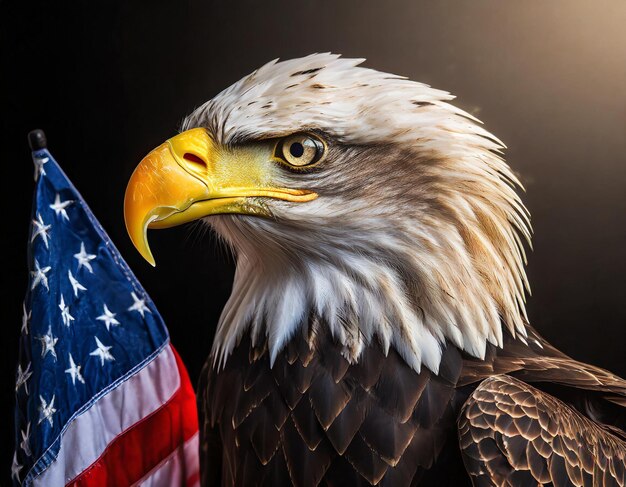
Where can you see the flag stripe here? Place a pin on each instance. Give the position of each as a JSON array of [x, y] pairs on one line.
[[144, 446], [88, 436], [176, 466]]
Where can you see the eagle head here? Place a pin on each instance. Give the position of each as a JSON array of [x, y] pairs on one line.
[[353, 199]]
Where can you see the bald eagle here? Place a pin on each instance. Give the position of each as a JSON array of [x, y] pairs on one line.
[[376, 333]]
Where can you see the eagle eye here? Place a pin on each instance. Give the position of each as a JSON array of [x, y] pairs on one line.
[[300, 150]]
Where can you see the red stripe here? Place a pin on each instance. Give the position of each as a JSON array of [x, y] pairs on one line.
[[135, 452], [194, 478]]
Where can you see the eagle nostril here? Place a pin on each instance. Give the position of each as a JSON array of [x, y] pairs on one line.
[[195, 161]]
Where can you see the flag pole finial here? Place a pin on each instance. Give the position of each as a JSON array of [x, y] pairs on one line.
[[37, 140]]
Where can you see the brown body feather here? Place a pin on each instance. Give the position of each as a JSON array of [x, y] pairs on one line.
[[315, 419]]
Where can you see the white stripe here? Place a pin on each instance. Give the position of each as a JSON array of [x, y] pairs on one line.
[[88, 435], [176, 468]]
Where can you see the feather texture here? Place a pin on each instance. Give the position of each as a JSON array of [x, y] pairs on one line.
[[514, 434], [378, 422]]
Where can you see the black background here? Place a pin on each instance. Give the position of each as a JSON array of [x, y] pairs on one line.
[[108, 81]]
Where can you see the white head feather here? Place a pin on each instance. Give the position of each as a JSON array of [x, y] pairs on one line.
[[416, 238]]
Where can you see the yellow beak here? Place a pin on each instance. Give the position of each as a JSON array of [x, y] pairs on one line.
[[190, 177]]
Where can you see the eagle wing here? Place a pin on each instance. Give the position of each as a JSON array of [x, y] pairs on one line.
[[596, 393], [511, 433]]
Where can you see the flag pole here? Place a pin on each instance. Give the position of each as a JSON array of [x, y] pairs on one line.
[[37, 140]]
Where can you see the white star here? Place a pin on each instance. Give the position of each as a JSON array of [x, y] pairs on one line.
[[65, 312], [102, 351], [39, 276], [74, 371], [39, 170], [24, 443], [84, 258], [22, 377], [15, 468], [139, 305], [76, 286], [59, 207], [46, 410], [48, 343], [40, 229], [25, 318], [108, 318]]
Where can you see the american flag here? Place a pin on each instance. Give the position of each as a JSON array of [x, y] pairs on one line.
[[102, 398]]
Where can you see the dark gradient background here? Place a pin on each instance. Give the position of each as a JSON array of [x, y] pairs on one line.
[[108, 81]]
